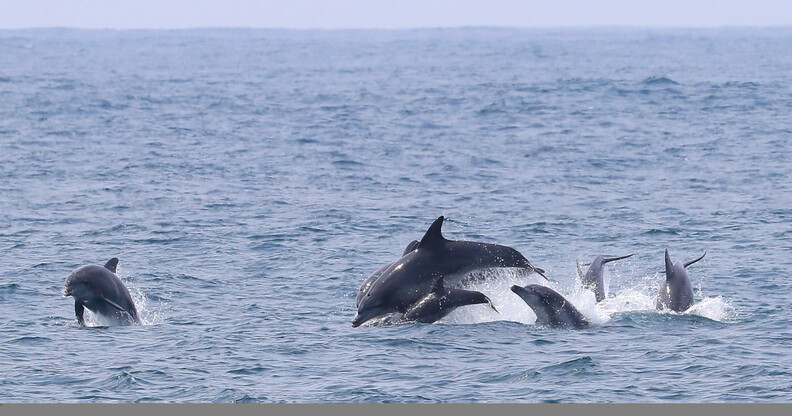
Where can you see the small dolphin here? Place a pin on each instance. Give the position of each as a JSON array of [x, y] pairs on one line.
[[676, 292], [441, 301], [367, 283], [102, 292], [592, 280], [551, 308], [399, 285]]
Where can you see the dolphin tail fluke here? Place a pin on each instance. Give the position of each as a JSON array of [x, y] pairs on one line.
[[693, 261], [617, 258]]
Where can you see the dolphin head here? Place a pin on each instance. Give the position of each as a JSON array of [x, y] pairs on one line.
[[375, 301], [81, 283], [536, 297], [529, 294], [368, 314], [400, 284]]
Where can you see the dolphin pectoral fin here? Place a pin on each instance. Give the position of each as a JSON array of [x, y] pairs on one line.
[[460, 297], [79, 310], [117, 306], [538, 271], [617, 258], [113, 304], [493, 306], [111, 264], [434, 236], [693, 261]]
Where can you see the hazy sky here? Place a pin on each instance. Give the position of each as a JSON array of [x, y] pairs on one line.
[[331, 14]]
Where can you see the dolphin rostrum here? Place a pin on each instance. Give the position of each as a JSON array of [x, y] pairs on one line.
[[676, 292], [399, 285], [550, 307], [592, 280], [100, 290]]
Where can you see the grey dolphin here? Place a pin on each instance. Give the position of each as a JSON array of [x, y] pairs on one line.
[[441, 301], [551, 308], [102, 292], [406, 281], [592, 280], [367, 283], [676, 292]]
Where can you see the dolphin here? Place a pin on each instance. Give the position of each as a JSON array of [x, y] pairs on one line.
[[102, 292], [593, 278], [550, 307], [399, 285], [441, 301], [367, 283], [676, 292]]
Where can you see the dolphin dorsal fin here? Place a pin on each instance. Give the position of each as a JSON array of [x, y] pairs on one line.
[[438, 286], [410, 247], [433, 237], [111, 264], [669, 266]]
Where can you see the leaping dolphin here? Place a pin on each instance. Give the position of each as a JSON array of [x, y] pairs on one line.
[[441, 301], [593, 278], [551, 308], [399, 285], [102, 292], [676, 292]]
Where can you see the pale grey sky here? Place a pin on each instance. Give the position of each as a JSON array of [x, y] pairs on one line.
[[390, 14]]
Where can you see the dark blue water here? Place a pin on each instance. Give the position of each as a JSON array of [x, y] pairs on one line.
[[249, 181]]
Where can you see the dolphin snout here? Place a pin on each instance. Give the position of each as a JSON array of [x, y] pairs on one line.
[[66, 292], [357, 321]]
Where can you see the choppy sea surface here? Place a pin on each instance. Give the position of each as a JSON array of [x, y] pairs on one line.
[[250, 180]]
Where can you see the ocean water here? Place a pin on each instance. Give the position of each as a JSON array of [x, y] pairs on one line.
[[250, 180]]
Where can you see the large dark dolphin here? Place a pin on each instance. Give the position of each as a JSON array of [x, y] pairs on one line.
[[441, 301], [551, 308], [592, 280], [401, 284], [102, 292], [376, 275], [676, 292]]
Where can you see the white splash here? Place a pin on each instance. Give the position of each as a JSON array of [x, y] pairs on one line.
[[715, 308], [632, 296]]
